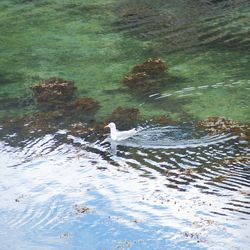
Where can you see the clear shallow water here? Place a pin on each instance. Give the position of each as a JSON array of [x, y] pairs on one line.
[[169, 187], [96, 43]]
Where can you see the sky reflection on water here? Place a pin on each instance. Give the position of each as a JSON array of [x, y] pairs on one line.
[[150, 201]]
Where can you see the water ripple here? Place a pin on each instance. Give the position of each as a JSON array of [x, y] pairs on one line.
[[174, 176]]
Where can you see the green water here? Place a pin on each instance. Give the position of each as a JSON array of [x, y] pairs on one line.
[[78, 40]]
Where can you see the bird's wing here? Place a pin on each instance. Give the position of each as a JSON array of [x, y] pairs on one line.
[[122, 135]]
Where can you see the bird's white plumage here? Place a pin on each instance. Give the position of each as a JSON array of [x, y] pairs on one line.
[[117, 135]]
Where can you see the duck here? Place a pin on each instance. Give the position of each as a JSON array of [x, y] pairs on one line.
[[117, 135]]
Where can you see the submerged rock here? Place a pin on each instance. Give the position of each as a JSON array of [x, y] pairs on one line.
[[58, 110], [53, 92], [141, 18], [124, 118]]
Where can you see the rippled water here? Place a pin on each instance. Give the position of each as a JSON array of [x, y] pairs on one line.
[[168, 187]]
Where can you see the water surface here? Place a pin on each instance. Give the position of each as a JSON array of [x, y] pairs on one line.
[[171, 186]]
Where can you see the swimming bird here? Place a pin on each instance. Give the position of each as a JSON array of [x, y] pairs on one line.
[[117, 135]]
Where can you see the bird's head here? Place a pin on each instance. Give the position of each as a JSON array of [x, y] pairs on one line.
[[111, 125]]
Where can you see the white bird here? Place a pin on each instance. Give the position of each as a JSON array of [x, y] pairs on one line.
[[117, 135]]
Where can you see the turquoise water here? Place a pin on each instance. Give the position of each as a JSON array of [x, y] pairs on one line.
[[171, 186]]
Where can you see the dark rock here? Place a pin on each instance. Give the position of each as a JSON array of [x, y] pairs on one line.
[[91, 133], [21, 102], [46, 121]]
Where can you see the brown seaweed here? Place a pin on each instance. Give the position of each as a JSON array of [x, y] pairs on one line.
[[147, 77], [53, 92], [150, 67], [217, 125], [123, 117]]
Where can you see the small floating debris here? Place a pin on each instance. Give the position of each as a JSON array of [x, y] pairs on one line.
[[80, 209], [219, 178], [78, 129], [237, 159], [65, 235]]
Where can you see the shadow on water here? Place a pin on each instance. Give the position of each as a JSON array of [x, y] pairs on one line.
[[186, 24]]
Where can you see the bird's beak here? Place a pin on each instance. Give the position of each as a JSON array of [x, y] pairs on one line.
[[106, 126]]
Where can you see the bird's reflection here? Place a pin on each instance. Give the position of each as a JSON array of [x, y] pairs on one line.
[[113, 147]]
